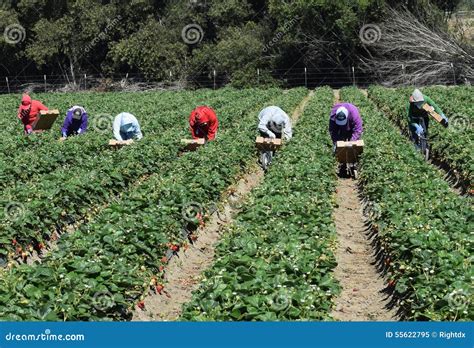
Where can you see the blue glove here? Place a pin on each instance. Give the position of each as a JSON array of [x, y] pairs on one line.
[[418, 129], [79, 131], [64, 135], [445, 118], [334, 148]]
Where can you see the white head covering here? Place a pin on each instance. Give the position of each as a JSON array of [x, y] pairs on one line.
[[417, 96], [342, 111]]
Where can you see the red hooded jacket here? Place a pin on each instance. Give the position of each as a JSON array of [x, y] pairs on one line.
[[29, 110], [203, 123]]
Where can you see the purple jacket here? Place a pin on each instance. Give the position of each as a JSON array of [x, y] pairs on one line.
[[352, 130], [72, 126]]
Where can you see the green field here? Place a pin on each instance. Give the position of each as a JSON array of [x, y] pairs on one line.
[[86, 231]]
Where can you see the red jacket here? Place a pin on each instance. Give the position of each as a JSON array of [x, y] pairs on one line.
[[203, 123], [29, 110]]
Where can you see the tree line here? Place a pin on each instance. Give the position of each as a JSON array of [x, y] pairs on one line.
[[191, 38]]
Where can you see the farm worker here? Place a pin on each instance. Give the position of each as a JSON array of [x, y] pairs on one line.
[[203, 123], [345, 123], [75, 122], [274, 123], [416, 113], [28, 112], [126, 127]]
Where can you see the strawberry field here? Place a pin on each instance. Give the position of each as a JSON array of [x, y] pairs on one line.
[[87, 232]]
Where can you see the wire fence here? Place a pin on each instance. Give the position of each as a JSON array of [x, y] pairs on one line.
[[131, 82]]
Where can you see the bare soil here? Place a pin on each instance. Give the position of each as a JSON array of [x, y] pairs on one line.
[[361, 298], [184, 272]]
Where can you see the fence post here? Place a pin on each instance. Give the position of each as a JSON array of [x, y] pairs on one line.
[[403, 73], [305, 77], [258, 76], [8, 85], [214, 78], [353, 77], [454, 73], [45, 83]]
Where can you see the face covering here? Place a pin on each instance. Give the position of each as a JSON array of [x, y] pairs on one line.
[[76, 116]]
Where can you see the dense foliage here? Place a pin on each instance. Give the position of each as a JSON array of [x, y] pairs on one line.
[[276, 261], [422, 229], [103, 268], [453, 145], [235, 37]]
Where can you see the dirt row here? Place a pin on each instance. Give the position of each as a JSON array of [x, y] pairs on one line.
[[183, 273], [361, 298]]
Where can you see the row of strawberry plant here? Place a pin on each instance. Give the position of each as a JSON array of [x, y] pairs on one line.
[[276, 260], [422, 229], [170, 111], [452, 145], [33, 210], [99, 271]]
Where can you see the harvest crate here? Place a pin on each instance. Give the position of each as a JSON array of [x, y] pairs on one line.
[[45, 120], [349, 151], [192, 144], [118, 143], [268, 143], [430, 110]]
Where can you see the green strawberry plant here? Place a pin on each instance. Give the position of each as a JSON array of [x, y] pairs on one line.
[[68, 194], [115, 255], [453, 145], [276, 260], [422, 229]]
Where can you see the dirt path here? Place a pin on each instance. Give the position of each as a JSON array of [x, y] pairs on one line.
[[183, 273], [361, 298]]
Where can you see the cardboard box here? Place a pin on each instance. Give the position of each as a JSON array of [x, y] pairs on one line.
[[118, 143], [192, 144], [268, 143], [432, 112], [45, 120], [349, 151]]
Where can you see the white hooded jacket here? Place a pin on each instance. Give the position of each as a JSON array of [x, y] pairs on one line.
[[275, 120]]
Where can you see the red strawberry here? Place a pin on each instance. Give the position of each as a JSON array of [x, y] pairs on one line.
[[159, 288], [141, 305]]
